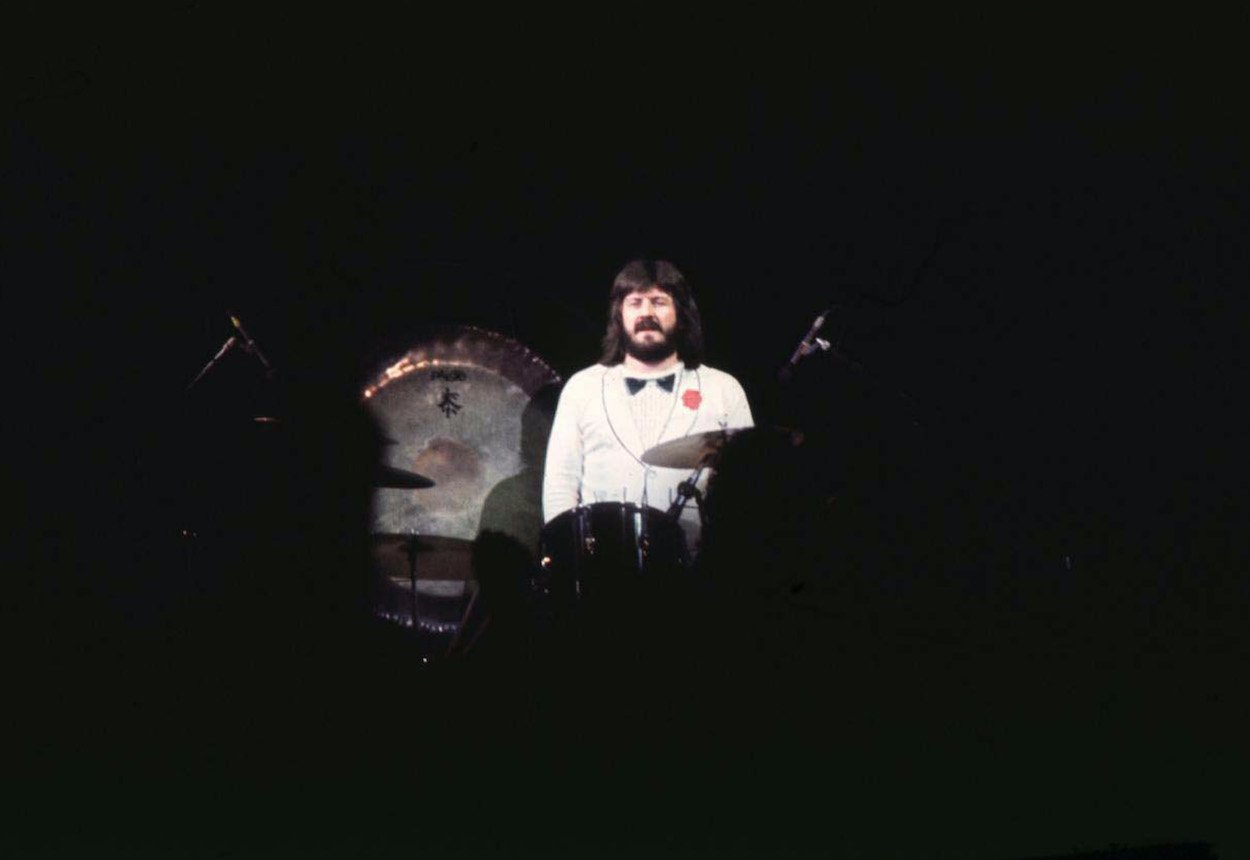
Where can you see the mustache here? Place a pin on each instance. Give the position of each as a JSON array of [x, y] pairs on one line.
[[647, 324]]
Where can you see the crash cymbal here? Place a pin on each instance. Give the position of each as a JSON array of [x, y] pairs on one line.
[[398, 479], [689, 452], [438, 557], [703, 449]]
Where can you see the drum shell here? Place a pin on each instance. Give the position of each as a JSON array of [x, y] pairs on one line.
[[605, 549]]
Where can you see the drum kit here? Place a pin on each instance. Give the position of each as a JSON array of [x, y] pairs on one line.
[[464, 417]]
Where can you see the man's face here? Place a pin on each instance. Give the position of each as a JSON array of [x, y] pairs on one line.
[[650, 321]]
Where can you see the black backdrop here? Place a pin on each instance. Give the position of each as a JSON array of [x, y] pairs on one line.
[[1034, 278]]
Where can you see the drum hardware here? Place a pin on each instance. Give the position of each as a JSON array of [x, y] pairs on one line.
[[407, 560], [412, 574], [243, 341], [700, 451], [443, 559], [642, 541], [687, 490], [399, 479]]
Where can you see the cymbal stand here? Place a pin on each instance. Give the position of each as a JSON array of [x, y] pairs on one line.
[[687, 490], [412, 579]]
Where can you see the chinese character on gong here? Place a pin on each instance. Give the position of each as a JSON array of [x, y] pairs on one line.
[[449, 403]]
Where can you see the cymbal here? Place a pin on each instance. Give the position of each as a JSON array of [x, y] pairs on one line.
[[703, 449], [438, 557], [398, 479], [690, 452]]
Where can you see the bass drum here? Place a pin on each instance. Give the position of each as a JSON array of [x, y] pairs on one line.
[[471, 410]]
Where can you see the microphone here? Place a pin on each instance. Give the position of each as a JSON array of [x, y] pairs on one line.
[[805, 346], [250, 345]]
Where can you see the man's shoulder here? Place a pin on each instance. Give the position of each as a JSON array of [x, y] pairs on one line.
[[585, 379], [715, 376]]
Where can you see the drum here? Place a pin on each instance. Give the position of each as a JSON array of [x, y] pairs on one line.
[[606, 550]]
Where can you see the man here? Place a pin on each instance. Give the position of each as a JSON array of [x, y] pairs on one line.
[[650, 386]]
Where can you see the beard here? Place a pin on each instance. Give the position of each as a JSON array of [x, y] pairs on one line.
[[650, 352]]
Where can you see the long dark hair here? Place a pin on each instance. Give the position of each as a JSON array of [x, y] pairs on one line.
[[640, 276]]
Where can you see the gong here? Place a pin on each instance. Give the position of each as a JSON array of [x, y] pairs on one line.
[[471, 410], [457, 406]]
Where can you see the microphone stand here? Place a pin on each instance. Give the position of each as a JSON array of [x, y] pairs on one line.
[[230, 343], [242, 340], [252, 347], [817, 344], [809, 344]]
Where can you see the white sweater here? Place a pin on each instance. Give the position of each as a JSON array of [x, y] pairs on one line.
[[597, 438]]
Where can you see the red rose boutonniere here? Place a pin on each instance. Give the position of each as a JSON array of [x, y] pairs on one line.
[[691, 398]]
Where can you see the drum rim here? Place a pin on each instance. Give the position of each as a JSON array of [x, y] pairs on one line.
[[632, 507]]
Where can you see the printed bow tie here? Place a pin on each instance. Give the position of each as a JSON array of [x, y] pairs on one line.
[[636, 385]]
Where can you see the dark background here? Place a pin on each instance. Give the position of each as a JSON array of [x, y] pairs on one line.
[[1030, 422]]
